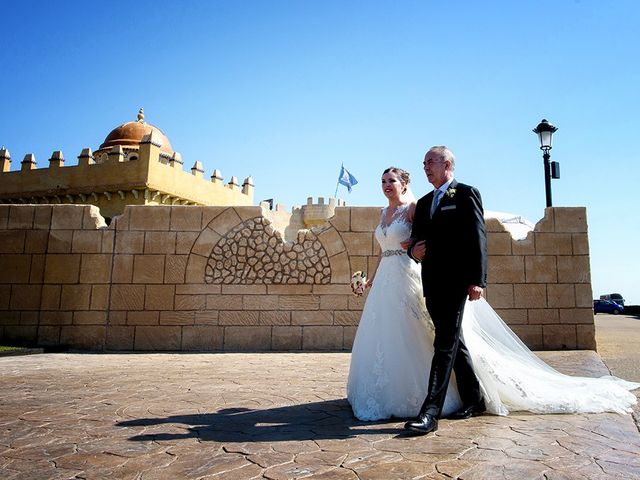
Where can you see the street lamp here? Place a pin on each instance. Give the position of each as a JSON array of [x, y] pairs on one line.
[[545, 133]]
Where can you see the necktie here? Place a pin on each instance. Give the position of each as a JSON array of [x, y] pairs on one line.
[[436, 199]]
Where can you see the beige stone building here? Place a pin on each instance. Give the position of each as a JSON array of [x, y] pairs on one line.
[[135, 165]]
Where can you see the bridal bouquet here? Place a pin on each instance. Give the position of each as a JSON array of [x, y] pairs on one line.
[[358, 283]]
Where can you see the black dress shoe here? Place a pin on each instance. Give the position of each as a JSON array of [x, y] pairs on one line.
[[425, 423], [469, 411]]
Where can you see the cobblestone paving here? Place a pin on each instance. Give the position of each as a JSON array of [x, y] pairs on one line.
[[274, 416]]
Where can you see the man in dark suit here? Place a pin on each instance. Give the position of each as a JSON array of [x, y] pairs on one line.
[[449, 238]]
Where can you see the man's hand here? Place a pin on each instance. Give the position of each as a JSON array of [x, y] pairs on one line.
[[418, 251], [475, 292]]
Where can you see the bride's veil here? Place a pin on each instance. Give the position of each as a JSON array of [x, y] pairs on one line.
[[408, 195]]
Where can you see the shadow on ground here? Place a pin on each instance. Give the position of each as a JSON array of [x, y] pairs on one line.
[[331, 419]]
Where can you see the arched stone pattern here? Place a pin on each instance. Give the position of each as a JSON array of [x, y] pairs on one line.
[[253, 252]]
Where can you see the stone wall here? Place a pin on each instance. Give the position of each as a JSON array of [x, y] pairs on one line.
[[223, 279]]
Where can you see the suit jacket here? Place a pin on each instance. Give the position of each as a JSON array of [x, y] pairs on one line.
[[456, 239]]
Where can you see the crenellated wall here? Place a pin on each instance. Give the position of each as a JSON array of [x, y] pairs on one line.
[[224, 278]]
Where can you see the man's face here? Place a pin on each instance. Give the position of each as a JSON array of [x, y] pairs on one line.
[[436, 169]]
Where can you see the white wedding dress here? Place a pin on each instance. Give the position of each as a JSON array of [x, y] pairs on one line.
[[393, 347]]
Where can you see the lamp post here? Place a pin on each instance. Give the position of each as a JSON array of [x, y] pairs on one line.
[[545, 133]]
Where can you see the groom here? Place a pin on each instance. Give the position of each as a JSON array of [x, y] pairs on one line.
[[449, 238]]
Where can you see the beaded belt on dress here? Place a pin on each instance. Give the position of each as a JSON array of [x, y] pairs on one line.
[[388, 253]]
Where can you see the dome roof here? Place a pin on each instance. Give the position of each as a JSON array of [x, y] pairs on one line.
[[131, 133]]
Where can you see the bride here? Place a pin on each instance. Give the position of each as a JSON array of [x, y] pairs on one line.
[[393, 347]]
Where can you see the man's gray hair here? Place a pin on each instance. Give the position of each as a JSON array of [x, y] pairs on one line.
[[445, 154]]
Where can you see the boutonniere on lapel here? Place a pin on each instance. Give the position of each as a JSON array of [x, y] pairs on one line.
[[451, 192]]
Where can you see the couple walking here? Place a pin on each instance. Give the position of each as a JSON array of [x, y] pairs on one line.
[[428, 345]]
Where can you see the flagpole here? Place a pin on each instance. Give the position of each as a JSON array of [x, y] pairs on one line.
[[335, 195]]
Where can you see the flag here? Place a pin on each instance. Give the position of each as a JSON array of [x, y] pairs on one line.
[[346, 178]]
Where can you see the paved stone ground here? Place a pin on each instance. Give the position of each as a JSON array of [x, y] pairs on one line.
[[274, 416]]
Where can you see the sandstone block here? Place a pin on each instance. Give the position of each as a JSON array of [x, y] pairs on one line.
[[13, 241], [209, 214], [543, 316], [275, 318], [205, 242], [576, 315], [570, 219], [357, 303], [62, 268], [506, 269], [175, 268], [117, 318], [108, 241], [554, 244], [20, 217], [247, 338], [122, 269], [340, 268], [4, 216], [202, 338], [332, 289], [359, 263], [334, 302], [203, 289], [185, 242], [358, 243], [158, 297], [29, 318], [99, 297], [36, 241], [147, 219], [20, 333], [346, 318], [190, 302], [129, 242], [244, 289], [86, 337], [530, 295], [158, 338], [67, 217], [584, 295], [580, 243], [119, 338], [25, 297], [48, 336], [561, 295], [42, 217], [349, 335], [75, 297], [500, 295], [177, 318], [224, 222], [328, 338], [96, 268], [224, 302], [259, 302], [559, 337], [186, 218], [499, 243], [332, 242], [286, 338], [15, 268], [311, 318], [207, 317], [541, 269], [574, 269], [238, 318], [36, 274], [513, 316], [60, 241], [546, 224], [142, 318], [586, 337], [89, 318], [195, 269], [289, 289], [526, 246], [341, 219], [5, 296], [364, 219], [160, 242], [531, 335], [56, 318], [127, 297], [87, 241], [299, 302], [148, 269]]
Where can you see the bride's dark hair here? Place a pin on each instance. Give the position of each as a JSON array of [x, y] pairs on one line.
[[403, 174]]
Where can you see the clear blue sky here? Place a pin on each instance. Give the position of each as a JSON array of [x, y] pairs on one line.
[[286, 91]]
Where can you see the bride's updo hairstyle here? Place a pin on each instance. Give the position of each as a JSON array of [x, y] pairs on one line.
[[403, 174]]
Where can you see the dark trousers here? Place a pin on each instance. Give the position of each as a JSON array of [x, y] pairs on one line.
[[450, 352]]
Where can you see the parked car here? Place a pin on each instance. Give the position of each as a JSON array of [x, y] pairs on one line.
[[614, 297], [607, 306]]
